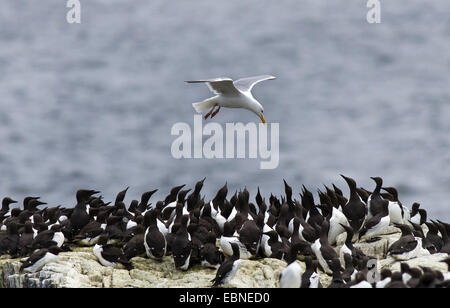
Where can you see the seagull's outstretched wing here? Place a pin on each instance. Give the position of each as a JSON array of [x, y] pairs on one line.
[[218, 85], [246, 84]]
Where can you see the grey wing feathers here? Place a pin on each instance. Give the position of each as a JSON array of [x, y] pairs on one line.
[[246, 84]]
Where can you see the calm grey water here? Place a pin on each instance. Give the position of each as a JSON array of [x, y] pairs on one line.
[[92, 105]]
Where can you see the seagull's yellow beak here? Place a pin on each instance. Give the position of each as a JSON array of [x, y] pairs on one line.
[[262, 119]]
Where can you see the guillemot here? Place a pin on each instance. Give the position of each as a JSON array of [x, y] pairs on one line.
[[109, 255], [154, 241], [228, 269], [322, 249], [39, 258], [375, 201], [377, 224], [355, 210]]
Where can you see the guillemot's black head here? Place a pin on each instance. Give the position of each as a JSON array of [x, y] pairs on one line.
[[392, 191], [121, 195], [287, 190], [83, 195], [6, 202], [378, 181], [350, 182], [34, 203], [27, 200], [182, 195]]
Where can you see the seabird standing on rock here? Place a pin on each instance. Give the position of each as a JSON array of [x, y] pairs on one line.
[[322, 249], [109, 255], [355, 210], [376, 201], [48, 238], [290, 276], [10, 241], [348, 248], [337, 281], [210, 255], [39, 258], [154, 241], [408, 246], [182, 245], [418, 216], [433, 237], [80, 217], [228, 269], [310, 277], [377, 224]]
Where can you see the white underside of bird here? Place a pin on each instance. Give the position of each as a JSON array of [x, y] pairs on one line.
[[236, 265], [291, 276], [316, 249], [38, 265], [98, 249], [395, 213], [337, 218], [416, 252], [362, 285], [225, 246], [231, 94], [378, 229]]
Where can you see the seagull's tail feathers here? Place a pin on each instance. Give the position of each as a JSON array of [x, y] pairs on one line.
[[205, 105]]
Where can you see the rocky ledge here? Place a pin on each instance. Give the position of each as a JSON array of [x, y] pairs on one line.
[[80, 269]]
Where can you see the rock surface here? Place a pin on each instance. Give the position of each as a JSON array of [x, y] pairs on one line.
[[81, 269]]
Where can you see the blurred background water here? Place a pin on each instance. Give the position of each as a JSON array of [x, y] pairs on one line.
[[92, 105]]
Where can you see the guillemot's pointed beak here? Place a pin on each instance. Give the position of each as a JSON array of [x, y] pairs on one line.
[[262, 119]]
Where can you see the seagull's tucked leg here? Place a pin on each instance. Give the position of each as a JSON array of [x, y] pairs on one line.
[[210, 112], [215, 112]]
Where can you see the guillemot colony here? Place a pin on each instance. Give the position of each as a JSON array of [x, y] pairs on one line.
[[217, 234]]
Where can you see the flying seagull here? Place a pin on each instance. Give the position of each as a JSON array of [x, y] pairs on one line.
[[231, 94]]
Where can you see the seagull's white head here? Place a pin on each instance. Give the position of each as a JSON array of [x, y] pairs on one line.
[[258, 109]]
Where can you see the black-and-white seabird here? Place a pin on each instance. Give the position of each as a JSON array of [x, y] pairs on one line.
[[80, 217], [39, 258], [377, 224], [347, 247], [154, 241], [5, 210], [433, 237], [274, 246], [109, 255], [360, 282], [355, 210], [310, 277], [290, 276], [408, 246], [210, 255], [48, 238], [323, 250], [26, 240], [182, 245], [375, 201], [337, 281], [250, 235], [228, 269], [9, 242]]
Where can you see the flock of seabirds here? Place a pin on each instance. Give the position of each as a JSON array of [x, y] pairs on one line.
[[219, 233]]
